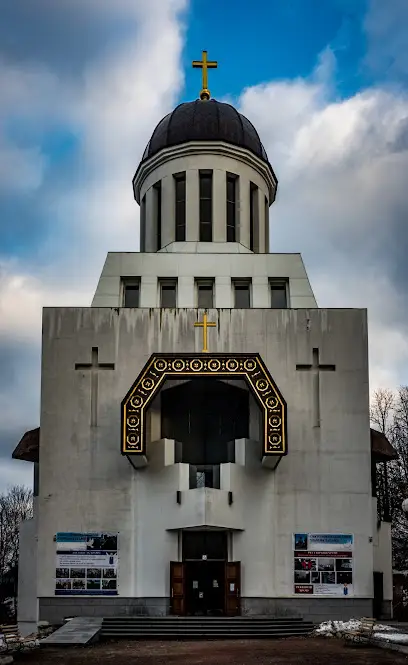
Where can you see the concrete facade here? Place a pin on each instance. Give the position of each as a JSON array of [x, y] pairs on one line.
[[322, 485]]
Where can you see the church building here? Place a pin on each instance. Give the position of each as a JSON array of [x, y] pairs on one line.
[[204, 444]]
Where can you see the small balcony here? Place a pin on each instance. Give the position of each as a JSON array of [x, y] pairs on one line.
[[203, 505]]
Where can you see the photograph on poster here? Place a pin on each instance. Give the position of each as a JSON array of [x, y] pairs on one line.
[[63, 584], [305, 564], [302, 576], [300, 541], [108, 584], [77, 572], [344, 578], [62, 572], [93, 584], [328, 578], [78, 584], [315, 578], [326, 564], [344, 564], [94, 572], [109, 572]]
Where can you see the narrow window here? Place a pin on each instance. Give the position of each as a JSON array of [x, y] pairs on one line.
[[205, 294], [205, 206], [168, 293], [143, 224], [180, 186], [131, 295], [279, 298], [231, 207], [253, 218], [242, 298], [158, 213]]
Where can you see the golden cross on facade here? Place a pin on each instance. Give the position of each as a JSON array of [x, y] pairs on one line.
[[204, 324], [205, 64]]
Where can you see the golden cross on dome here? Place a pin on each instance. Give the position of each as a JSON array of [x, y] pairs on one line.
[[204, 324], [205, 64]]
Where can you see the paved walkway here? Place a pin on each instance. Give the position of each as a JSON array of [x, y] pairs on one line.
[[80, 631]]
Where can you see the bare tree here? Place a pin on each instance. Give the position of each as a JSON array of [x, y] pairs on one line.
[[389, 414], [382, 411], [15, 505]]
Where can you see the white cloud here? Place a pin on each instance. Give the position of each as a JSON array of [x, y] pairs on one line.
[[15, 472], [112, 109], [341, 196]]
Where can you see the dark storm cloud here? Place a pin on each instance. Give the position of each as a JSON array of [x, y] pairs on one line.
[[63, 34]]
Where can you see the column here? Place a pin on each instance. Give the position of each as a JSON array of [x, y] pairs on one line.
[[148, 291], [150, 221], [186, 291], [192, 205], [223, 292], [266, 204], [243, 212], [219, 206], [260, 291], [168, 211], [261, 222]]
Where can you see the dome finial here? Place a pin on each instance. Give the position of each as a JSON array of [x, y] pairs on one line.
[[205, 64]]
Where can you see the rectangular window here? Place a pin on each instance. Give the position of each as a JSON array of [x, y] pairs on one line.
[[158, 212], [231, 207], [206, 206], [279, 298], [180, 198], [253, 217], [168, 293], [131, 294], [143, 224], [242, 294], [205, 294]]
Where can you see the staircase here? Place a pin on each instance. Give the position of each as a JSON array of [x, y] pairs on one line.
[[195, 628]]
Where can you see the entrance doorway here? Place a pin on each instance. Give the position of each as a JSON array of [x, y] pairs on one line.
[[205, 554], [205, 583]]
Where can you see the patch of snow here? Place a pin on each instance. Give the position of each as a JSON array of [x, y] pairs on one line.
[[382, 627], [334, 627], [392, 637]]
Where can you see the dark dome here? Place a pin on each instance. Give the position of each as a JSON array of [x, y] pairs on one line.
[[205, 121]]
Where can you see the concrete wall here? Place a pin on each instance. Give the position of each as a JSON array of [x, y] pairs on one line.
[[382, 552], [27, 577], [322, 485], [188, 266]]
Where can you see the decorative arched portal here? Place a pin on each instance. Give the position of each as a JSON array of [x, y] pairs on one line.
[[161, 367]]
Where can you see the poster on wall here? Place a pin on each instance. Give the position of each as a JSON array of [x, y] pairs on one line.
[[323, 564], [87, 564]]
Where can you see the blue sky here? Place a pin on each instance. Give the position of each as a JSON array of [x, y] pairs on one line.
[[83, 84], [285, 43]]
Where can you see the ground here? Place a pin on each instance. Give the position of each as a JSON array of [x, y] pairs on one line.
[[306, 651]]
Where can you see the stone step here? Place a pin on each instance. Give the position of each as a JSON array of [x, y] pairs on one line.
[[203, 627]]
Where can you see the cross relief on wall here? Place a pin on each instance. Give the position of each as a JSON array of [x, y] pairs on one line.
[[93, 367], [315, 368]]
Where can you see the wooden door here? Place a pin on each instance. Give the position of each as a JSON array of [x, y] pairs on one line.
[[233, 588], [177, 582]]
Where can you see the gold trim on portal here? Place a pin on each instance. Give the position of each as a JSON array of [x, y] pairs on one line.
[[161, 367]]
